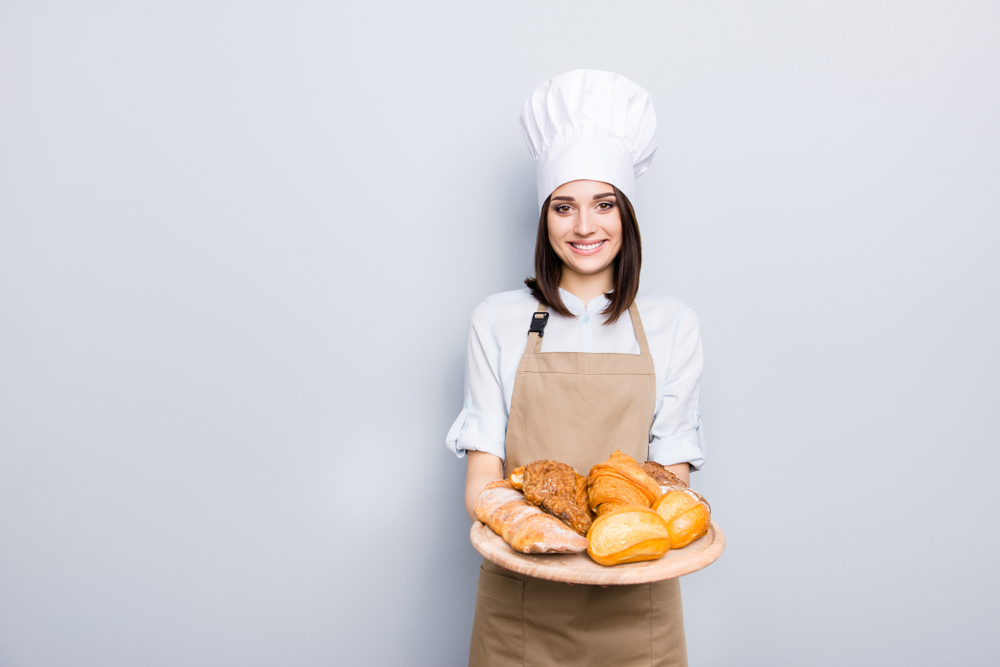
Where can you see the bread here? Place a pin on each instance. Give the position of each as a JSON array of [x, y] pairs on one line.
[[523, 526], [687, 515], [664, 477], [560, 491], [628, 534], [618, 482]]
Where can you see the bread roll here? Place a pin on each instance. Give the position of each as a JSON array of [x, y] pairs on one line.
[[628, 534], [523, 526], [687, 515]]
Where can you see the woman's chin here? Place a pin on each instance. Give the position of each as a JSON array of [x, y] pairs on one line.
[[586, 268]]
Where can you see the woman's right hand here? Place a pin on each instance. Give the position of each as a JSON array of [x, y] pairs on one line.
[[482, 468]]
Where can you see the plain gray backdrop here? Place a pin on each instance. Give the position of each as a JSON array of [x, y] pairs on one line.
[[240, 243]]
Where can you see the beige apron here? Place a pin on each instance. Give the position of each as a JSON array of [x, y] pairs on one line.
[[578, 407]]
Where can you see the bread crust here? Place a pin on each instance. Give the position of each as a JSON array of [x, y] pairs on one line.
[[662, 475]]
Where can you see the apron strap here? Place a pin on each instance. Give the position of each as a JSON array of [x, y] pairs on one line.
[[534, 345], [640, 333]]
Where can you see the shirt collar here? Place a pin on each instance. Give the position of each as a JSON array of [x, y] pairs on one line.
[[575, 305]]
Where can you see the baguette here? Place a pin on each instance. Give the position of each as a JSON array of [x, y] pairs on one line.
[[523, 526]]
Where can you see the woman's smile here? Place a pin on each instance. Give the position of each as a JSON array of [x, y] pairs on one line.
[[588, 247]]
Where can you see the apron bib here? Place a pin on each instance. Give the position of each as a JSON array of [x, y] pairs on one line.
[[577, 408]]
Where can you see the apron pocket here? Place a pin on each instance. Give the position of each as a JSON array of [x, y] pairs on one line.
[[498, 630]]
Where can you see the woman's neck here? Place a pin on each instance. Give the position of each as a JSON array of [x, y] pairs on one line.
[[587, 286]]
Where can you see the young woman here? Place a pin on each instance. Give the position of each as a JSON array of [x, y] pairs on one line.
[[611, 369]]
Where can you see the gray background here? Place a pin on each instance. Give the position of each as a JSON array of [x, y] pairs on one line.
[[240, 242]]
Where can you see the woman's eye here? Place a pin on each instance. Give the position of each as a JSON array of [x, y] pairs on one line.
[[605, 205], [562, 209]]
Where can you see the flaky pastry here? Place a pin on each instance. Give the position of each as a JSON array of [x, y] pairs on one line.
[[618, 482]]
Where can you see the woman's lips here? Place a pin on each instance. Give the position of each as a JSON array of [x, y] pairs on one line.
[[589, 248]]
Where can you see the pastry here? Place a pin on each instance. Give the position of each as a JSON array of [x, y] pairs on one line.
[[560, 491], [523, 526], [628, 534], [620, 481], [516, 478], [687, 515]]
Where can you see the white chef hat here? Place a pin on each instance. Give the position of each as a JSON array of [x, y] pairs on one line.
[[588, 124]]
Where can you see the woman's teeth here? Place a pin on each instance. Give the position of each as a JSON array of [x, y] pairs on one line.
[[590, 246]]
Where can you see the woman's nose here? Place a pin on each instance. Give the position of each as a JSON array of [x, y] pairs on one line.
[[584, 225]]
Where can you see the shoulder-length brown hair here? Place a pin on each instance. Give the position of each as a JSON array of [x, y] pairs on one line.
[[544, 285]]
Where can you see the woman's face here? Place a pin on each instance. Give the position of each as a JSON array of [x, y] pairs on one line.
[[585, 226]]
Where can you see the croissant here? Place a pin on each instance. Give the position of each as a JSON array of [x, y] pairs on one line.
[[618, 482], [687, 515], [628, 534], [559, 490], [523, 526]]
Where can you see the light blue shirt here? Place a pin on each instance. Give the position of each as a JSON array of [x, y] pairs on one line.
[[498, 333]]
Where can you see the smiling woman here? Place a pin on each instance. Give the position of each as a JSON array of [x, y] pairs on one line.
[[529, 397], [590, 243]]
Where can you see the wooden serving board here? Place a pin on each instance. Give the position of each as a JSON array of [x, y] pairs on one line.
[[580, 569]]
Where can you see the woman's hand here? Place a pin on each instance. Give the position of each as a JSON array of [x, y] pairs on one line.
[[482, 469]]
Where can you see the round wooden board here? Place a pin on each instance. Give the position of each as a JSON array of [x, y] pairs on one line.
[[580, 569]]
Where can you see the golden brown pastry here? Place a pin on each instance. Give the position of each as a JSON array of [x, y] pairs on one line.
[[628, 534], [523, 526], [516, 478], [620, 481], [560, 491], [687, 515]]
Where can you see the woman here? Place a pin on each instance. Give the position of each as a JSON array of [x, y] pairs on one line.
[[602, 368]]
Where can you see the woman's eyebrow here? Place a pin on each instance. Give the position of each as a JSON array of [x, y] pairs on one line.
[[606, 194], [565, 199]]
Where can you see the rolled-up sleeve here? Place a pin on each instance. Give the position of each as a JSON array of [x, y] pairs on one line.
[[676, 435], [482, 423]]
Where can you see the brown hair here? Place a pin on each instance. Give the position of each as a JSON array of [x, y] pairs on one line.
[[544, 285]]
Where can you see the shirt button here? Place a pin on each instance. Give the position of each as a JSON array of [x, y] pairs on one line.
[[586, 319], [468, 404]]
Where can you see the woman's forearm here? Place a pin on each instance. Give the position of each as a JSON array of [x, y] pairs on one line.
[[682, 470], [482, 468]]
